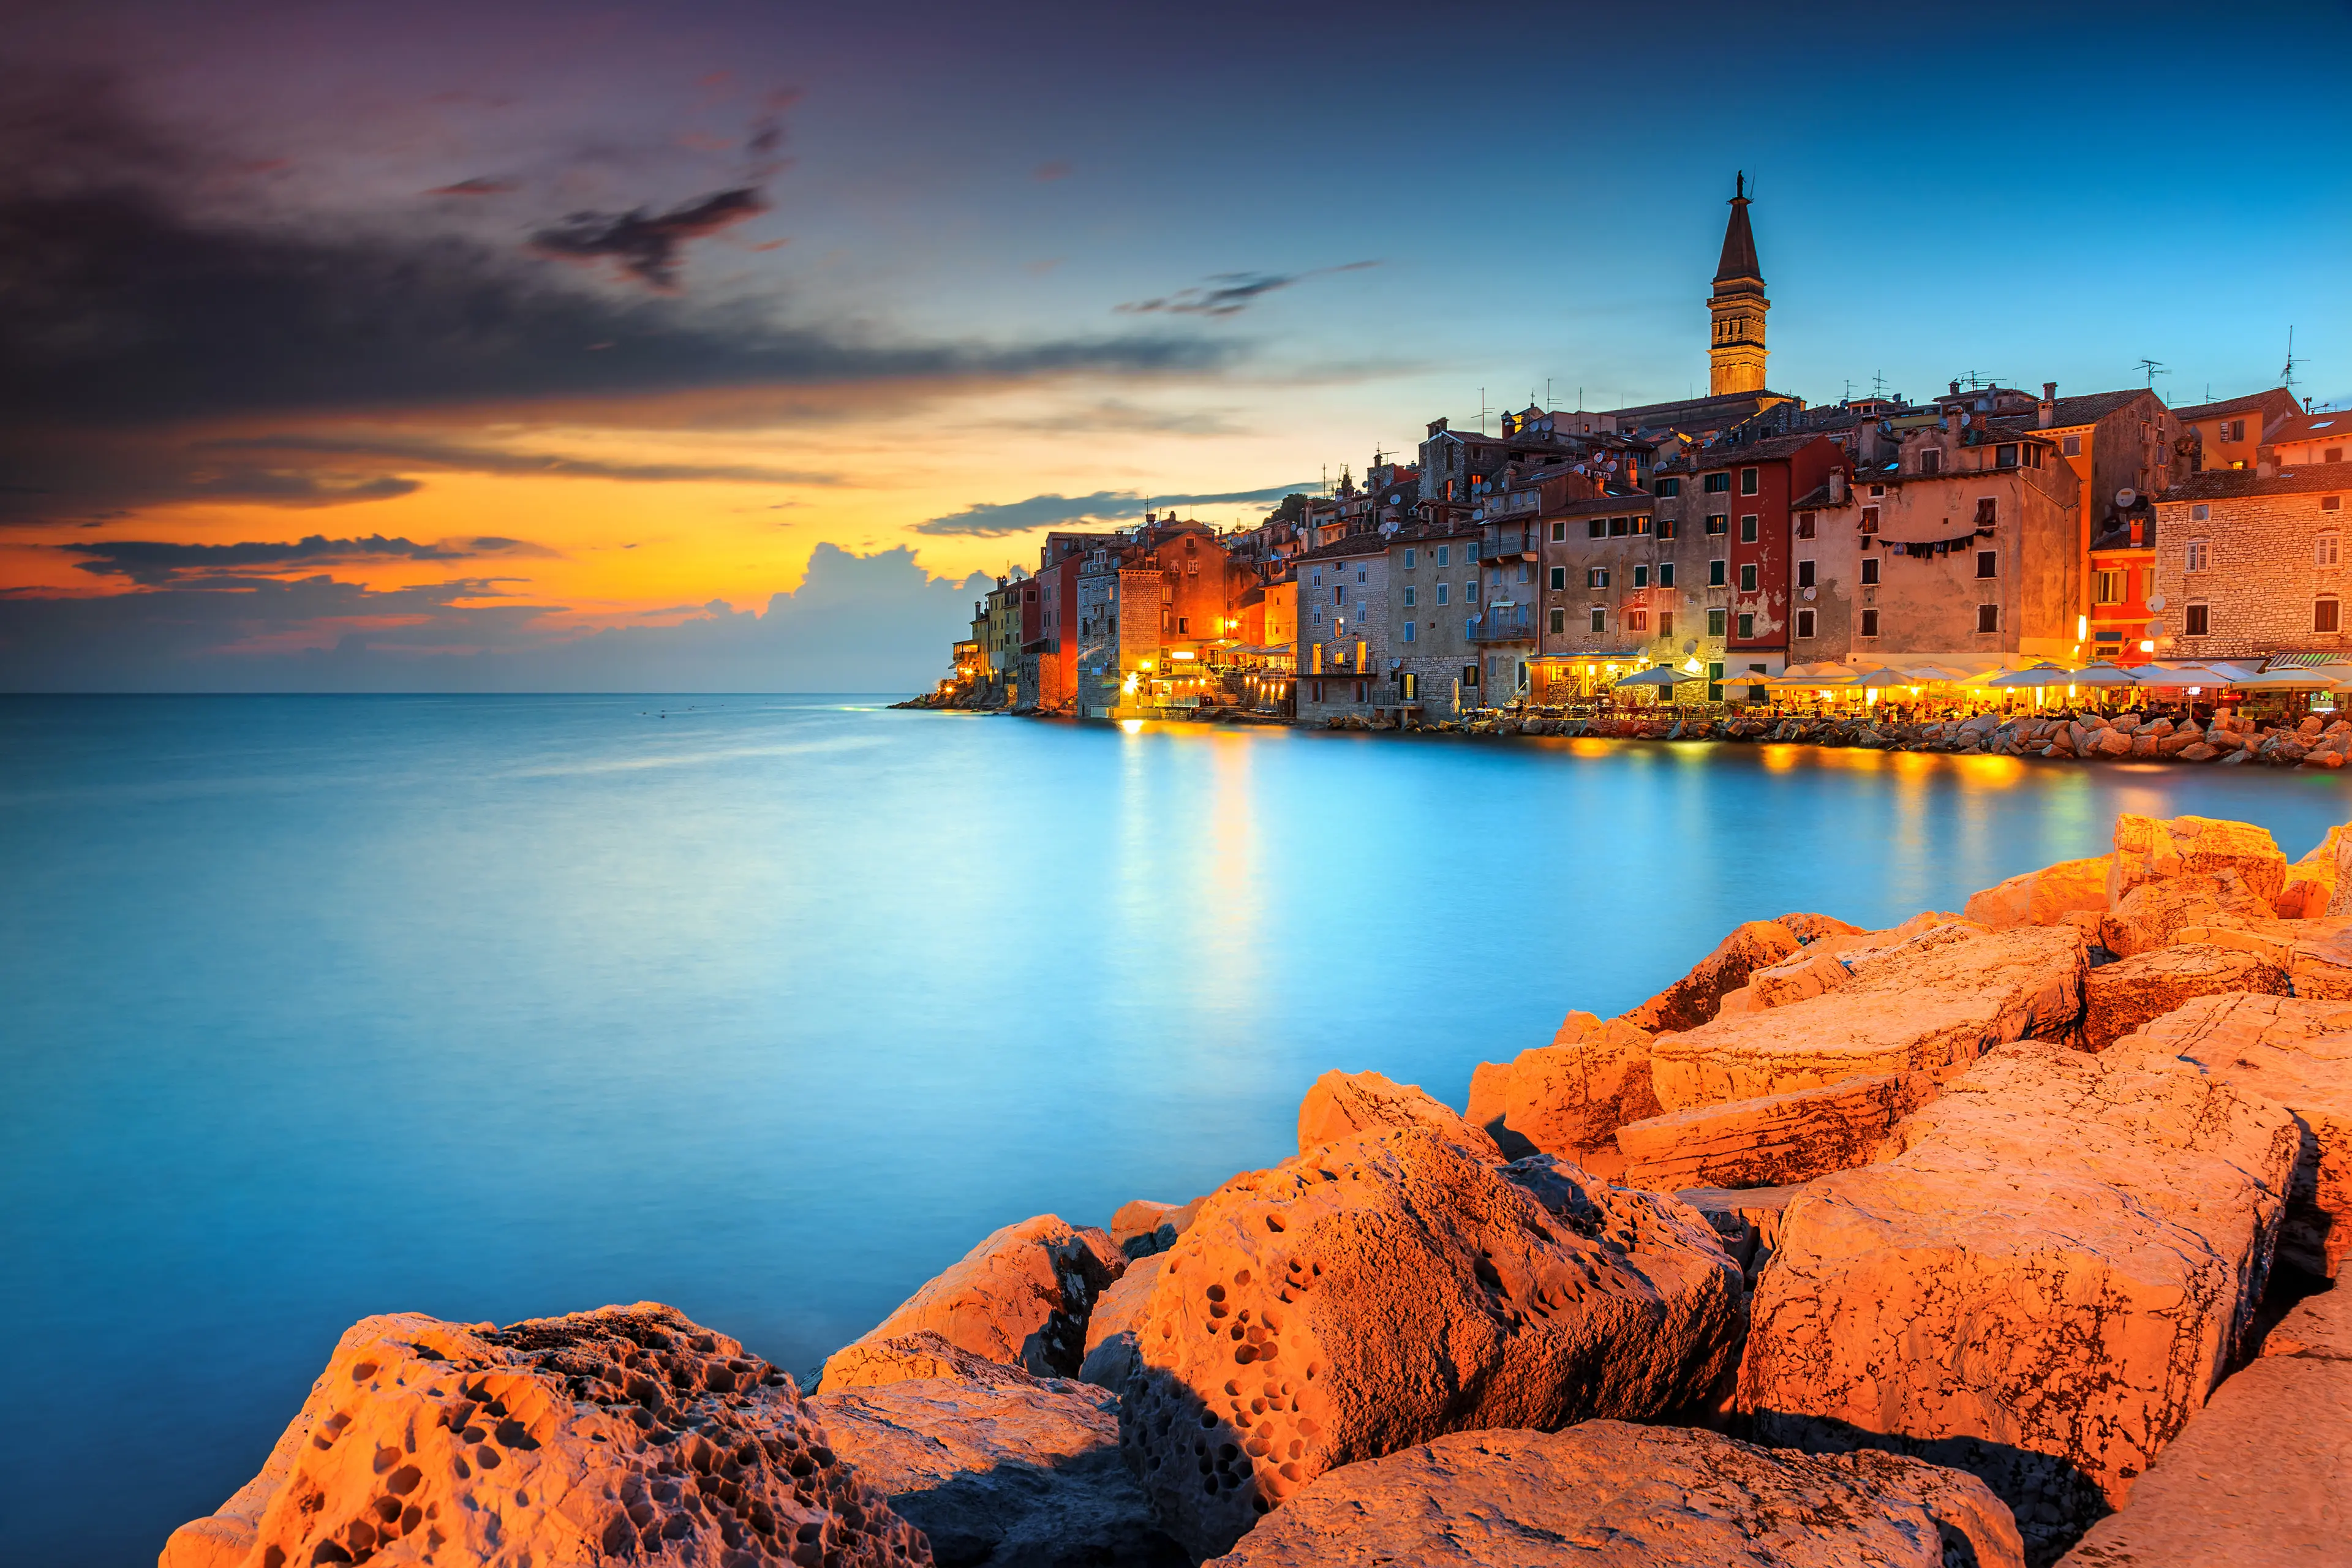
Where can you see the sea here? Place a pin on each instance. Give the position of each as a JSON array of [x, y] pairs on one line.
[[769, 1007]]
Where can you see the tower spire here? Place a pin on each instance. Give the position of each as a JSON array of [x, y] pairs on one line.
[[1736, 351]]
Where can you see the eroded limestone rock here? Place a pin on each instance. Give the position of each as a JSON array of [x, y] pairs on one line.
[[625, 1433], [1691, 1001], [1566, 1098], [1011, 1472], [1110, 1331], [1385, 1290], [2040, 898], [2040, 1285], [1021, 1297], [2119, 998], [1343, 1104], [1931, 1004], [1771, 1141], [1747, 1220], [2154, 849], [1609, 1495]]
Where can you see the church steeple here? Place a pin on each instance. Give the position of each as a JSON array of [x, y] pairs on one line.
[[1736, 351]]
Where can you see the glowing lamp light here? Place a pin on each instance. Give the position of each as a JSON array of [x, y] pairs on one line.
[[2148, 647], [2195, 689], [2082, 628], [1690, 666]]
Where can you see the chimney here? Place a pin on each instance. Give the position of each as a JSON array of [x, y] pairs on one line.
[[1956, 389], [2049, 404], [2266, 463]]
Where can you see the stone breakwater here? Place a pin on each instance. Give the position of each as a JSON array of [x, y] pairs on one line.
[[2001, 1237]]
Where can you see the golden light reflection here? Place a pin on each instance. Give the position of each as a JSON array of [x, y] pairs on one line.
[[1780, 759], [1995, 773]]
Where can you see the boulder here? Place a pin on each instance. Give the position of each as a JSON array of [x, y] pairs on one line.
[[1566, 1098], [1609, 1495], [1774, 1140], [2152, 914], [1110, 1331], [1811, 928], [1931, 1004], [1343, 1104], [1386, 1290], [1011, 1472], [1021, 1297], [1135, 1225], [2311, 881], [2040, 898], [2118, 997], [2262, 1477], [627, 1432], [2155, 848], [2296, 1053], [2039, 1285], [1691, 1001], [1747, 1220], [2198, 752]]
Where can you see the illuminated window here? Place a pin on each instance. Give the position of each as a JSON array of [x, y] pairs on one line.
[[1717, 522], [2106, 587], [1870, 519], [1598, 577], [1637, 620], [1620, 526]]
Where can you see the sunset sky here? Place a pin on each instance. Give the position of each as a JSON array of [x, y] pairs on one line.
[[715, 345]]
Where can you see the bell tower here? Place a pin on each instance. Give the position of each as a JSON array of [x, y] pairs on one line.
[[1734, 354]]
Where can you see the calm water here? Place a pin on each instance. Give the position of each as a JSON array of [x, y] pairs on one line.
[[497, 1007]]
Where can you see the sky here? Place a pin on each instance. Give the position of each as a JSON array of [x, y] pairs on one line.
[[731, 344]]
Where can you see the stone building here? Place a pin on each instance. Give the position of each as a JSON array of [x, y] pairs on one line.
[[1736, 353], [1343, 630], [1433, 589], [2251, 562]]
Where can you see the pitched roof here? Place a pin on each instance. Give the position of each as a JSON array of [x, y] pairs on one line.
[[2231, 484], [1346, 547], [1766, 448], [2319, 427], [2276, 399], [1738, 263], [2068, 412]]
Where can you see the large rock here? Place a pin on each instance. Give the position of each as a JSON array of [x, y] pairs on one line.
[[1343, 1104], [2119, 998], [625, 1433], [2312, 881], [1021, 1297], [1386, 1290], [2157, 914], [2042, 898], [2040, 1285], [2152, 848], [1691, 1001], [1609, 1495], [1567, 1098], [1011, 1472], [1110, 1331], [2298, 1054], [2259, 1477], [1747, 1220], [1931, 1004], [1773, 1141]]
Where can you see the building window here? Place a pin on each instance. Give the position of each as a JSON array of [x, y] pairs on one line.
[[1559, 623], [1523, 572], [1715, 623], [2325, 616], [1804, 623], [1317, 582], [1600, 622], [1748, 481], [1870, 623], [1409, 627], [2201, 514], [1443, 551], [2195, 621], [1598, 577], [1988, 511], [1597, 528], [2106, 587], [1747, 578], [2324, 550], [1637, 620], [1469, 675], [2071, 445], [1339, 595], [1314, 616], [1805, 524], [1470, 591], [1669, 529], [1184, 626], [1559, 532], [1360, 573], [2200, 556], [2331, 503], [1408, 562], [1715, 573], [1443, 590], [1640, 576], [2005, 454], [1641, 525], [1746, 528], [1987, 619], [1408, 595], [1620, 526], [1931, 459], [1665, 623], [1804, 574], [1870, 571], [1870, 519], [2233, 429], [1665, 573], [1668, 487], [1988, 563], [1746, 626], [1717, 522], [1717, 484]]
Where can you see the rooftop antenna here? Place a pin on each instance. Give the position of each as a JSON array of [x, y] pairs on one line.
[[1878, 383], [1482, 411], [2286, 376], [1547, 395], [2154, 367]]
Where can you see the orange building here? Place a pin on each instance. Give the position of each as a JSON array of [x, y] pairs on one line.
[[2231, 432]]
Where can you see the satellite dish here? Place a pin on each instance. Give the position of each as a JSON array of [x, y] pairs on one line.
[[2154, 630], [2127, 498], [2155, 601]]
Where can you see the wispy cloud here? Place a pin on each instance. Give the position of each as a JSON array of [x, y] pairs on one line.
[[987, 520], [468, 457], [1231, 293], [152, 561], [647, 244]]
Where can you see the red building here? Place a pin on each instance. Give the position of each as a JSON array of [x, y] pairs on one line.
[[1748, 489], [2123, 579]]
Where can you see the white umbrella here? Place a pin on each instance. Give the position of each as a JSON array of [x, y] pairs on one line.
[[2315, 679], [2104, 674], [2040, 675], [1933, 675], [1664, 675]]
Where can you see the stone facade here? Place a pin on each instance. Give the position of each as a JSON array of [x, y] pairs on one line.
[[1437, 666], [2252, 561], [1343, 631]]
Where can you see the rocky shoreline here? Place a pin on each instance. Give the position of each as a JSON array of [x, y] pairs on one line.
[[1999, 1237]]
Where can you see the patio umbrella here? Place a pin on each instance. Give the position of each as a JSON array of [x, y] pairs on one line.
[[2040, 675], [2106, 674], [1662, 676], [2320, 679], [1934, 675]]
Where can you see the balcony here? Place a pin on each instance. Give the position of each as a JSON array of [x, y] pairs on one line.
[[1512, 624]]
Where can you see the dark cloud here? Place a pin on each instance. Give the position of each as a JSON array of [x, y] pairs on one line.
[[988, 519], [460, 457], [1231, 293], [126, 299], [856, 623], [152, 561], [476, 187], [646, 244]]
